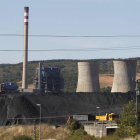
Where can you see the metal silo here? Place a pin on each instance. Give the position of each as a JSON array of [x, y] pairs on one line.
[[124, 75], [88, 77]]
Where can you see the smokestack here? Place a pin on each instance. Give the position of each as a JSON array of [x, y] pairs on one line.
[[88, 77], [124, 76], [25, 51], [40, 77]]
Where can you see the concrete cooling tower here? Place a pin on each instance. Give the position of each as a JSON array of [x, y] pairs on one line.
[[88, 77], [124, 76]]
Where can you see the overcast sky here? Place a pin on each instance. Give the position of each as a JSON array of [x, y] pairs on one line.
[[74, 18]]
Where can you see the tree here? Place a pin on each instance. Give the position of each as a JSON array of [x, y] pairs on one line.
[[107, 90], [128, 115], [128, 122]]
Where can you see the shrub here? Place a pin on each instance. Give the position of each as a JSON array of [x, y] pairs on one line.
[[81, 127], [74, 124], [22, 137], [49, 122], [110, 137], [107, 90], [77, 135], [126, 131], [88, 137]]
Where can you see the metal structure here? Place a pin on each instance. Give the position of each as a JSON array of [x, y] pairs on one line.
[[39, 76], [99, 120], [25, 50], [48, 79], [39, 121], [88, 77], [124, 76], [8, 87]]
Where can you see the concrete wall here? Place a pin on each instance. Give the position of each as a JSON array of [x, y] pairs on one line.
[[99, 129], [88, 77], [96, 130], [124, 76]]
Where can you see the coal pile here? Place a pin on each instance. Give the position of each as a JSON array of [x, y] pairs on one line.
[[56, 107]]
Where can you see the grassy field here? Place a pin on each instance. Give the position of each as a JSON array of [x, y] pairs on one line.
[[47, 132]]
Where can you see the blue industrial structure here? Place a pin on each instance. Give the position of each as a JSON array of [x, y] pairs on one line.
[[48, 79], [8, 87]]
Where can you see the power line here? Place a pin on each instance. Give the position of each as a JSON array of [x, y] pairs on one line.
[[87, 49], [72, 36]]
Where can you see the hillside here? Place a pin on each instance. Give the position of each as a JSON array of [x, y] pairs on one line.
[[63, 104], [13, 72]]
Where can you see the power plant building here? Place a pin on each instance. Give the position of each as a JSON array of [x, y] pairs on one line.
[[48, 79], [124, 76], [88, 77]]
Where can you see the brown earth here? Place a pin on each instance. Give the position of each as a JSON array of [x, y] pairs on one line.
[[107, 79], [104, 79]]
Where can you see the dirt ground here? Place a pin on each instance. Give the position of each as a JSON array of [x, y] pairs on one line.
[[107, 79], [104, 79]]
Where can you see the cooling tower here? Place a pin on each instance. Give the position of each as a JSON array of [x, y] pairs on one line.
[[124, 76], [88, 77]]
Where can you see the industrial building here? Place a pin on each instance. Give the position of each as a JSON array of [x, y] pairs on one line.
[[88, 77], [124, 75], [48, 79]]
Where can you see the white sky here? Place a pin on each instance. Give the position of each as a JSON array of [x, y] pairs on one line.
[[70, 17]]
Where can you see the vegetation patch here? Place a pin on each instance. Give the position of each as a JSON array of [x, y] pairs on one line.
[[22, 137]]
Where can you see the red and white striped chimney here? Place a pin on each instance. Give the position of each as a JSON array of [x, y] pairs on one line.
[[26, 15], [25, 50]]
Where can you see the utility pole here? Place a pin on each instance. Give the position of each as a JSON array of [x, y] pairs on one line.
[[137, 93], [39, 122], [98, 122], [136, 99], [34, 129]]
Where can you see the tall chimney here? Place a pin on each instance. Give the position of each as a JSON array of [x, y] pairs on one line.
[[25, 51]]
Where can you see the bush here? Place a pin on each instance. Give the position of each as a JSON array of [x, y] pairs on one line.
[[77, 135], [22, 137], [88, 137], [49, 122], [126, 131], [107, 90], [74, 124], [110, 137]]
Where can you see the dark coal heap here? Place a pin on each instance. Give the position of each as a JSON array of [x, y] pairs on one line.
[[58, 106]]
